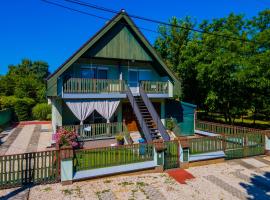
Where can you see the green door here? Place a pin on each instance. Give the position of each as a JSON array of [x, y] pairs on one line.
[[171, 155]]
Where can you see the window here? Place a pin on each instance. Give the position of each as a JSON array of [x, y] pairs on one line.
[[88, 72], [102, 74], [92, 72]]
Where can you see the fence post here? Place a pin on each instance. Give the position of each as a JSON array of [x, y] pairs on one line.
[[66, 157], [267, 143]]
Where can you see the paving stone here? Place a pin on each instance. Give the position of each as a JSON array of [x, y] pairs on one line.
[[261, 159], [107, 195], [152, 193], [261, 182], [254, 162], [33, 143], [227, 187], [244, 164], [5, 146]]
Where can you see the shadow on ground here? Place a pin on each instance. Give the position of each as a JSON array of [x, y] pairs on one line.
[[258, 186], [19, 193]]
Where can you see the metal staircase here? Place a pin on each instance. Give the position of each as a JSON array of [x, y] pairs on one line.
[[148, 119]]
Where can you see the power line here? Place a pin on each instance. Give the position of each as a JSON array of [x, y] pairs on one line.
[[155, 21], [105, 18], [89, 14]]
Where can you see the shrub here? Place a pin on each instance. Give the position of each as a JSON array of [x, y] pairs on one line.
[[7, 102], [41, 111], [23, 108]]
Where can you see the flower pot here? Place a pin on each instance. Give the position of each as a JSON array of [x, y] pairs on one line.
[[120, 142]]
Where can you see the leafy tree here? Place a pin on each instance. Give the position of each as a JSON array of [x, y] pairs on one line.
[[221, 74]]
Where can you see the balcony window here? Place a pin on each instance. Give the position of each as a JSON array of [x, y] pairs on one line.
[[102, 74], [88, 72], [98, 73]]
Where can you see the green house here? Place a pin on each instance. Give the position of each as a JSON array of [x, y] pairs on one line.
[[115, 83]]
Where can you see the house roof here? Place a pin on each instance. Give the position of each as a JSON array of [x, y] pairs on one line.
[[52, 79]]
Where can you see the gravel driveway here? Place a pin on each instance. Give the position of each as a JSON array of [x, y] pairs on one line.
[[237, 179]]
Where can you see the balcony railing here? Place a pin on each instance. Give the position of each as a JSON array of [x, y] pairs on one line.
[[98, 131], [87, 85], [155, 87]]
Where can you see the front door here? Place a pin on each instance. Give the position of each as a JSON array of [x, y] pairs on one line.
[[133, 80], [130, 118]]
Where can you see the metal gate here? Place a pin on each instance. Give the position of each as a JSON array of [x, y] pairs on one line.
[[171, 155]]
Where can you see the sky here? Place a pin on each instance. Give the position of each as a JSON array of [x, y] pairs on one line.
[[36, 30]]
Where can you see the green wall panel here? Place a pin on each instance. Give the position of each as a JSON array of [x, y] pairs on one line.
[[5, 116], [122, 45]]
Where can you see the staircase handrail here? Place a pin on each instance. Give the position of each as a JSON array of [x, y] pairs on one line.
[[154, 115], [139, 116]]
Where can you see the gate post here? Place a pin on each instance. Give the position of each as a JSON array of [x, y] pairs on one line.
[[159, 149], [184, 152], [66, 157]]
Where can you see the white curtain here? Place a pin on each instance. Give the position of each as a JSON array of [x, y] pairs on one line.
[[81, 109], [107, 108]]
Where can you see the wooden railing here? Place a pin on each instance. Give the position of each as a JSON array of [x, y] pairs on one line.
[[225, 129], [233, 145], [112, 156], [205, 144], [154, 115], [26, 168], [87, 85], [138, 114], [156, 87], [97, 131]]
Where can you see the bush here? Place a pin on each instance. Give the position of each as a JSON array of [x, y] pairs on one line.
[[42, 111], [23, 108], [7, 102]]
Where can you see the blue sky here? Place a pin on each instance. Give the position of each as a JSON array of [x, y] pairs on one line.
[[39, 31]]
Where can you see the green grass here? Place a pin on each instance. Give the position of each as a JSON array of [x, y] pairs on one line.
[[247, 121], [106, 157]]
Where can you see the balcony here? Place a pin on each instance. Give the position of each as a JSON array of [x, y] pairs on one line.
[[155, 87], [109, 88], [93, 88]]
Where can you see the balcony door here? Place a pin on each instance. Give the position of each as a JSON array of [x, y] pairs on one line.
[[133, 80], [137, 75]]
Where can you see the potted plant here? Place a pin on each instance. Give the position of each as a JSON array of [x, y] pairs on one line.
[[66, 141], [170, 124], [120, 139], [66, 138]]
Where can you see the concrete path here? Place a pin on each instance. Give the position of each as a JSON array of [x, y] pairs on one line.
[[27, 138]]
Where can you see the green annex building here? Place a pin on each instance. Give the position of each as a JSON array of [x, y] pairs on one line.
[[116, 83]]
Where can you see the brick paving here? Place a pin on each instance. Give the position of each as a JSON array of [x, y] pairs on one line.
[[227, 187], [26, 138], [153, 193], [33, 143], [11, 138]]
